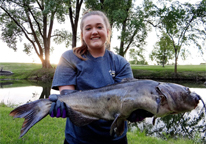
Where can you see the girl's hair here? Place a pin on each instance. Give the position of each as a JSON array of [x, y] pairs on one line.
[[79, 51]]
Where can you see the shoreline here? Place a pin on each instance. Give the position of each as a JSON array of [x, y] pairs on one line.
[[28, 71]]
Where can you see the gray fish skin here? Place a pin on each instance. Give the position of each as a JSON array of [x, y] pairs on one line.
[[114, 102]]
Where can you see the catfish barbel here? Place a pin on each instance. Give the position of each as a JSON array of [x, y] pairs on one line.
[[131, 100]]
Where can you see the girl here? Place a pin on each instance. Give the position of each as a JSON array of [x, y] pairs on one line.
[[87, 67]]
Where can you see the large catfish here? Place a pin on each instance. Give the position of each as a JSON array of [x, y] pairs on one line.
[[131, 100]]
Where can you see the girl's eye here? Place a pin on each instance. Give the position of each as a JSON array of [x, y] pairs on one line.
[[88, 29], [99, 27]]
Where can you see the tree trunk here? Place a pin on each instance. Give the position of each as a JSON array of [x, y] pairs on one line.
[[74, 23], [47, 58], [163, 65], [74, 38], [175, 66], [176, 58], [121, 48], [45, 62]]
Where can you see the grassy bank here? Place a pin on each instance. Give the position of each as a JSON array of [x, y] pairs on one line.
[[51, 131], [185, 72], [23, 71]]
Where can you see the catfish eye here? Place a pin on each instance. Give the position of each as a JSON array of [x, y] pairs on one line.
[[187, 89]]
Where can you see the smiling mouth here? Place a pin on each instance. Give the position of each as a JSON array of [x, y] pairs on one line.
[[95, 38]]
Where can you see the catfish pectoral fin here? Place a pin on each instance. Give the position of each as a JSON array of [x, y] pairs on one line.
[[78, 118], [120, 127], [32, 112], [117, 126]]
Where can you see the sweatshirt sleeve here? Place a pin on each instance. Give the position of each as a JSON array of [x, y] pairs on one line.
[[65, 73], [122, 69]]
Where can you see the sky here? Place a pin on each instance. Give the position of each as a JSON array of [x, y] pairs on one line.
[[9, 55]]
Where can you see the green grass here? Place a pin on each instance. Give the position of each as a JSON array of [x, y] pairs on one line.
[[184, 72], [180, 68], [47, 131], [26, 70], [20, 70], [51, 131], [141, 138]]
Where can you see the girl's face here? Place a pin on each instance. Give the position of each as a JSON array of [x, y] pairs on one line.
[[94, 32]]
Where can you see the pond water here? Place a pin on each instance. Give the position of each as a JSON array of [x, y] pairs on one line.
[[15, 96], [191, 124]]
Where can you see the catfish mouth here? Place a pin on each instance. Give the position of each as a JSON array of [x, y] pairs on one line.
[[139, 115]]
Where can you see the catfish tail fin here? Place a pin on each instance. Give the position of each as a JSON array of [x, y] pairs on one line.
[[32, 112]]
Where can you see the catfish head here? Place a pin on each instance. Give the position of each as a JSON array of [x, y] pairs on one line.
[[175, 99]]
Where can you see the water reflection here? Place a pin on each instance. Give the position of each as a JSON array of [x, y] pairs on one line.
[[21, 94], [2, 84], [191, 125], [45, 92]]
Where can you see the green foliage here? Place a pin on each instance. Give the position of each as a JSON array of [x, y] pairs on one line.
[[183, 23], [137, 57], [32, 21], [114, 9], [127, 19], [63, 36], [163, 51]]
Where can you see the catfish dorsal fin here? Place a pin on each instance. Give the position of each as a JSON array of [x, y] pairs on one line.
[[128, 79], [117, 126]]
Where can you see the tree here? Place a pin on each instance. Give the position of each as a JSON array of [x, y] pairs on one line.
[[33, 20], [112, 8], [125, 18], [137, 56], [74, 18], [74, 8], [133, 29], [163, 50], [183, 23]]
